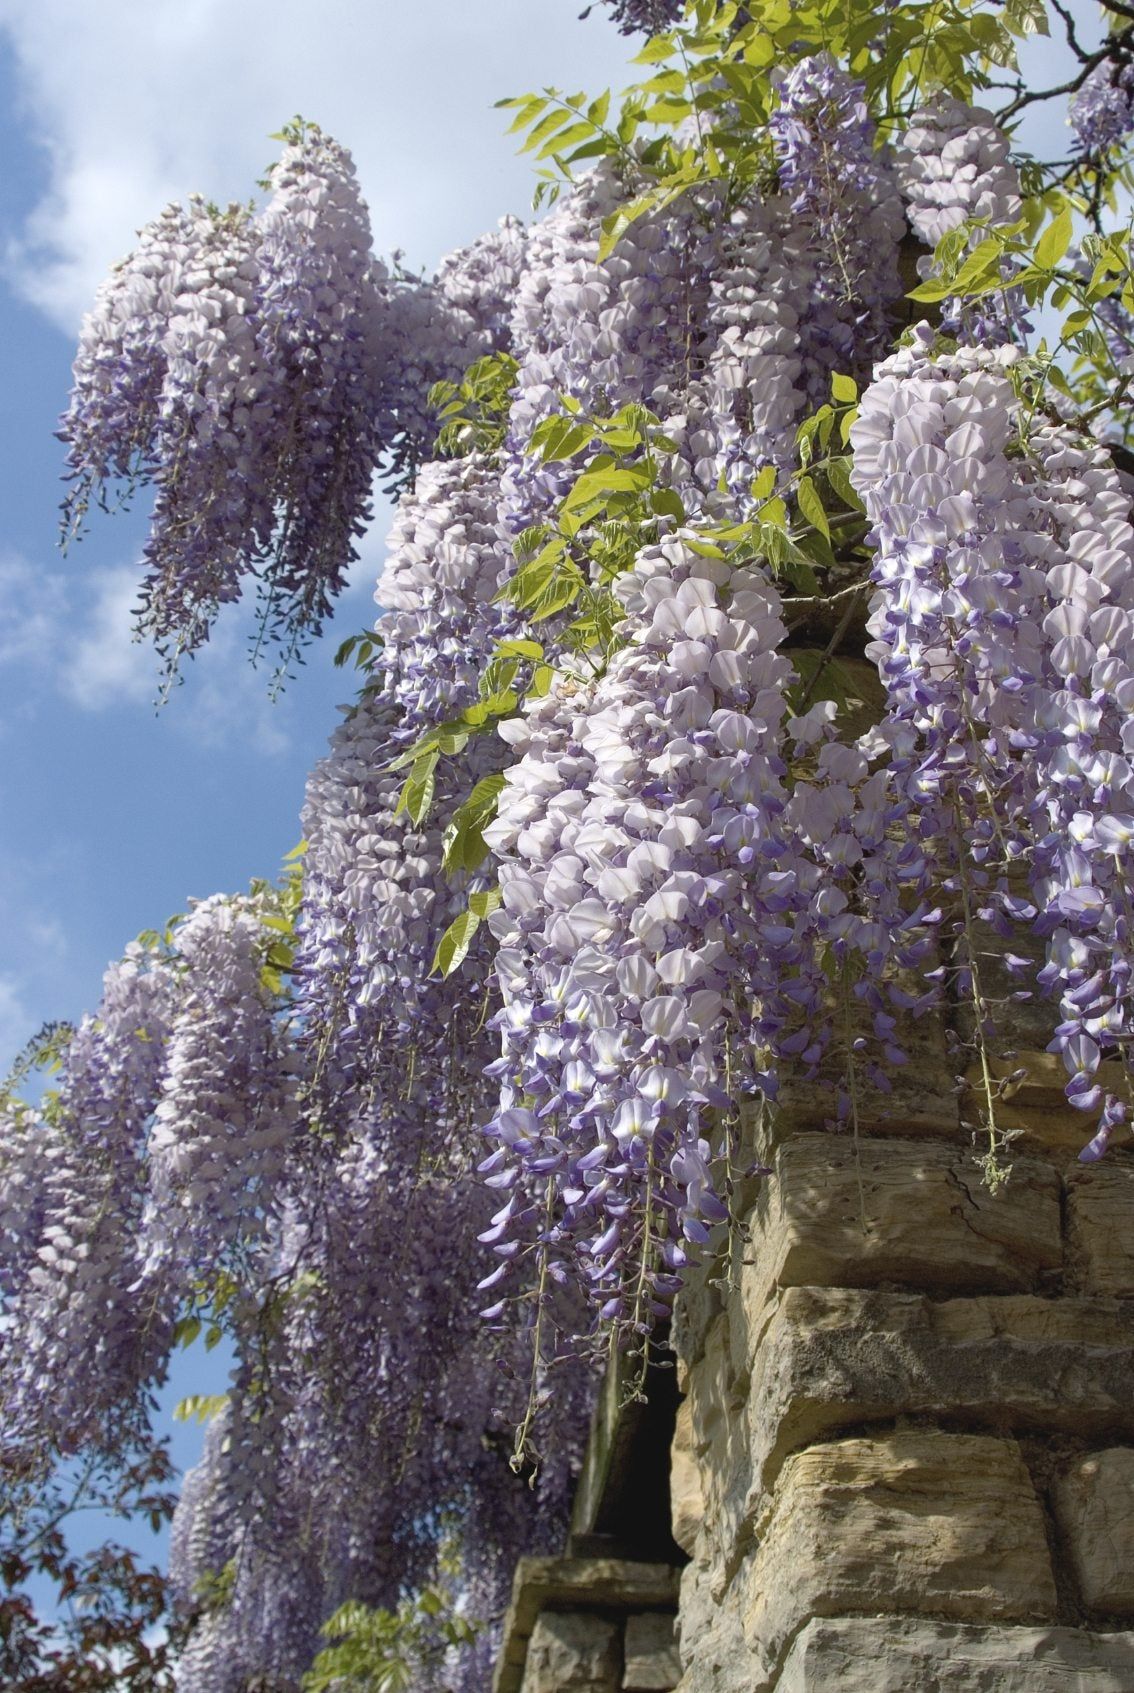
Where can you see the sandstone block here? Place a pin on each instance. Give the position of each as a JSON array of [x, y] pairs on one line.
[[837, 1356], [916, 1521], [650, 1662], [1032, 1107], [905, 1211], [687, 1502], [573, 1652], [1094, 1506], [715, 1657], [719, 1444], [922, 1099], [1100, 1227], [901, 1655]]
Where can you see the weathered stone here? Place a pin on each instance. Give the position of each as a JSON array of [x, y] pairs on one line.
[[697, 1304], [575, 1584], [709, 1385], [715, 1656], [687, 1502], [922, 1099], [913, 1212], [1094, 1506], [718, 1427], [1100, 1226], [1032, 1107], [650, 1662], [833, 1357], [902, 1655], [945, 1524], [573, 1652]]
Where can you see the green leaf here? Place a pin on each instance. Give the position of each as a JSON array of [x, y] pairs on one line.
[[463, 841], [605, 479], [844, 389], [1055, 240], [202, 1407], [484, 903], [598, 109], [570, 137], [452, 948], [187, 1331], [417, 792], [811, 506], [764, 482], [667, 503], [520, 649], [1074, 323], [838, 475]]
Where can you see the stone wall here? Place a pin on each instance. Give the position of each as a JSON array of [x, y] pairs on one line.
[[904, 1447], [904, 1457]]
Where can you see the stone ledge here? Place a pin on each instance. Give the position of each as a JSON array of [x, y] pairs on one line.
[[909, 1212], [898, 1654], [602, 1585], [833, 1357]]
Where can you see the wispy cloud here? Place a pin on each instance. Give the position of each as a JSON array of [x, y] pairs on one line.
[[136, 105], [16, 1022], [71, 635], [31, 604]]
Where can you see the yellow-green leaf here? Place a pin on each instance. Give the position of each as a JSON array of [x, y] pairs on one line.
[[1055, 240]]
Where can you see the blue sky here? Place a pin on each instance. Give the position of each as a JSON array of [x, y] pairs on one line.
[[112, 815]]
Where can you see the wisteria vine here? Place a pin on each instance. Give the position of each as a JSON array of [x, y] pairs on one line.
[[604, 846]]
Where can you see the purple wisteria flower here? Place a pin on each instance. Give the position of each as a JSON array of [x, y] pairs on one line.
[[1005, 581], [954, 166], [1102, 112]]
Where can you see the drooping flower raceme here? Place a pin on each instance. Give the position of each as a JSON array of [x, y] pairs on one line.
[[111, 423], [804, 285], [628, 329], [257, 369], [1102, 112], [646, 17], [213, 511], [631, 915], [1001, 628], [316, 301], [79, 1344], [954, 165], [228, 1103]]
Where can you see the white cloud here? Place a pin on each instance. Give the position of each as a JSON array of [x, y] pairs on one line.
[[16, 1023], [135, 105], [31, 604], [101, 667], [105, 665]]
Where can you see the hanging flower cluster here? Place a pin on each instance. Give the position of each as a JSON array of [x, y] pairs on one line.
[[954, 166], [1002, 633], [627, 920], [646, 17], [79, 1342], [257, 369], [1102, 112]]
